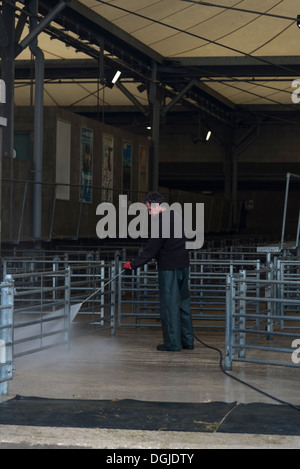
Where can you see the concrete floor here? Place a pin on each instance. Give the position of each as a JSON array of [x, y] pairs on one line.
[[128, 365]]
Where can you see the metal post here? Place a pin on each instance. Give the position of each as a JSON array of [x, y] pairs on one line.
[[22, 212], [102, 297], [288, 176], [298, 231], [38, 124], [120, 293], [79, 215], [227, 165], [235, 220], [155, 106], [53, 213], [7, 107], [228, 323], [242, 288], [113, 300], [6, 333], [67, 308]]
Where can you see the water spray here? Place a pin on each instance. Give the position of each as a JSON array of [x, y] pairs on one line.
[[75, 308]]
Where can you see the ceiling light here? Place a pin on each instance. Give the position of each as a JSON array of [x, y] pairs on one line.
[[298, 21], [116, 77], [208, 135], [111, 78]]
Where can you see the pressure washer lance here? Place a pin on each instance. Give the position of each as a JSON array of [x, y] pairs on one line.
[[75, 308]]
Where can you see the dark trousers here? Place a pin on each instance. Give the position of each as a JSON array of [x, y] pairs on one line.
[[175, 309]]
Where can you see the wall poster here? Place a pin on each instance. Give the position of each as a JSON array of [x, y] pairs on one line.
[[86, 164], [143, 172], [127, 166], [107, 172]]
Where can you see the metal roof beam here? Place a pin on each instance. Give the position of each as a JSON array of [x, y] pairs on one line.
[[130, 96], [242, 66], [80, 18], [41, 26]]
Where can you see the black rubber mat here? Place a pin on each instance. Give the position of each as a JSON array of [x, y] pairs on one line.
[[130, 414]]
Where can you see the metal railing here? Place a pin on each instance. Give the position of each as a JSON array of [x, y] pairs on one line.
[[261, 336], [254, 298], [287, 187], [138, 294], [288, 271], [72, 217], [86, 276], [41, 311], [47, 302], [98, 301]]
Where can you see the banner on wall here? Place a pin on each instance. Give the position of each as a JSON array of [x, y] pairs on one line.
[[86, 164], [107, 172], [143, 172], [127, 166]]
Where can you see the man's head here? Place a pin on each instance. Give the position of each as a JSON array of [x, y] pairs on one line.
[[153, 201]]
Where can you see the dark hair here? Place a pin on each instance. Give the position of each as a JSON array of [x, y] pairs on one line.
[[154, 198]]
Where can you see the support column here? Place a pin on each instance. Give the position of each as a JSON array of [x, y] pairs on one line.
[[228, 163], [38, 126], [155, 114], [235, 219], [36, 27], [7, 107]]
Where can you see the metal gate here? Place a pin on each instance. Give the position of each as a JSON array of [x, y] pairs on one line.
[[138, 292], [267, 334], [38, 304]]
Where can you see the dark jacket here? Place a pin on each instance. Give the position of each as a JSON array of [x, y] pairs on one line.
[[164, 244]]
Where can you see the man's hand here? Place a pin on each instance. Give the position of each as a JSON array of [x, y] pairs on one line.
[[127, 265]]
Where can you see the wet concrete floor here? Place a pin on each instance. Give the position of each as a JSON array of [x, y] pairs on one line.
[[128, 366]]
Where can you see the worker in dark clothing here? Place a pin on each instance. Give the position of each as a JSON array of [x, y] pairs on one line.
[[167, 246]]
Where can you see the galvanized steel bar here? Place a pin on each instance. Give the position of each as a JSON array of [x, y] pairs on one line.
[[241, 322], [6, 333]]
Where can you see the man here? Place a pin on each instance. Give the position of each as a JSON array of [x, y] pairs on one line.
[[167, 246]]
